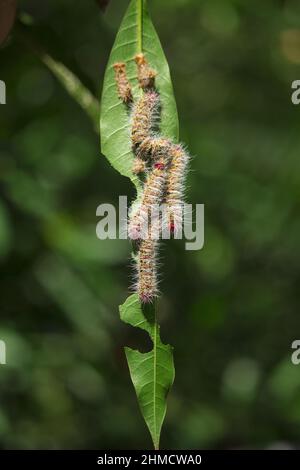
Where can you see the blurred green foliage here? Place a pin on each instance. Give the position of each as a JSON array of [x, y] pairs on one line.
[[230, 310]]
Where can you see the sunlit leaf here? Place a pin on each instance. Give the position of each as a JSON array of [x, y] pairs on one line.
[[153, 372], [136, 34]]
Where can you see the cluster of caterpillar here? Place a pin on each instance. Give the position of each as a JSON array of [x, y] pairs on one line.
[[163, 163]]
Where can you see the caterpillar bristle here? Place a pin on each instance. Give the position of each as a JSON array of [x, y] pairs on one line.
[[143, 118]]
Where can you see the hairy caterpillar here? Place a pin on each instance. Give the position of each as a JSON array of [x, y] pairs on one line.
[[165, 166], [146, 75], [156, 148], [147, 271], [152, 196]]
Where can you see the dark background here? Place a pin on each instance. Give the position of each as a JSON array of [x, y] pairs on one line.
[[230, 310]]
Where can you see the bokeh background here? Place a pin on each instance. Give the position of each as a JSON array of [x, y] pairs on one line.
[[230, 310]]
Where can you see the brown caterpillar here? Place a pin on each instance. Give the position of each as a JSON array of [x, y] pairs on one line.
[[165, 166], [123, 85], [143, 118], [146, 75], [139, 166], [154, 187]]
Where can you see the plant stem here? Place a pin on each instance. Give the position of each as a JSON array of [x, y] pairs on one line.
[[156, 444], [140, 25]]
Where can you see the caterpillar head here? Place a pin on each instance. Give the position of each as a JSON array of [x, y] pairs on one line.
[[146, 75]]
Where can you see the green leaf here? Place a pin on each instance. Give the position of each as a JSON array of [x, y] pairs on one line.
[[152, 373], [136, 34]]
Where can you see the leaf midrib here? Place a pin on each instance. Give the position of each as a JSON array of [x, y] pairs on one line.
[[140, 49]]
